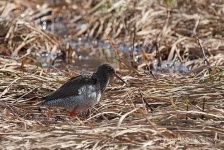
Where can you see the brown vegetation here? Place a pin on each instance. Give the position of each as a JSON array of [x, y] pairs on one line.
[[158, 108]]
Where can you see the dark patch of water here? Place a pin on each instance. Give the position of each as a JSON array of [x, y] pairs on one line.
[[90, 53]]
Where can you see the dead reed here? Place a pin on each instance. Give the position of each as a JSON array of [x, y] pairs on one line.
[[172, 112], [155, 110]]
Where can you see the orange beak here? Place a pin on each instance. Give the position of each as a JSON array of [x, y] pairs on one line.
[[117, 76]]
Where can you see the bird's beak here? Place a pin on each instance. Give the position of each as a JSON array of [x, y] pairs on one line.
[[117, 76]]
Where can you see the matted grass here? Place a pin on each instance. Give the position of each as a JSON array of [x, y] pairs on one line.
[[166, 112], [154, 110]]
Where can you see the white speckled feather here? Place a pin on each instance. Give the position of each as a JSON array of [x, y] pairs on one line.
[[88, 96]]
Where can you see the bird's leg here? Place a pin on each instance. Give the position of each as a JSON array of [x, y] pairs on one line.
[[73, 112]]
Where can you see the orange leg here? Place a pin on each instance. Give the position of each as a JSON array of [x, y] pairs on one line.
[[73, 112]]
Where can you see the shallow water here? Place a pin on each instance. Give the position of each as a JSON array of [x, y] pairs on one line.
[[90, 53]]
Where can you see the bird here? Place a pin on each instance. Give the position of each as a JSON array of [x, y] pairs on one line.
[[83, 91]]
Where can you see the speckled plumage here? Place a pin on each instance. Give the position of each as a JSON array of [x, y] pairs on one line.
[[87, 96], [83, 91]]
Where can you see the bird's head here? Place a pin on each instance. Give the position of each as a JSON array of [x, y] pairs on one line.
[[108, 70]]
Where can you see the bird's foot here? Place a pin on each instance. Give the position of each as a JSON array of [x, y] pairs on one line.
[[73, 112]]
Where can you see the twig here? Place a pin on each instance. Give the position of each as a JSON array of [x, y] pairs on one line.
[[196, 25], [157, 53], [162, 33], [203, 50], [146, 103], [187, 101], [134, 34], [203, 108], [118, 57]]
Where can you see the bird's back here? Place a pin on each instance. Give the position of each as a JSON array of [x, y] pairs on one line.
[[74, 91]]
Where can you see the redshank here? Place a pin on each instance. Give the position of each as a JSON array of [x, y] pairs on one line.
[[83, 91]]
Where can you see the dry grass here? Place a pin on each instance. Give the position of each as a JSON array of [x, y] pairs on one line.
[[26, 38], [172, 26], [155, 110], [167, 112]]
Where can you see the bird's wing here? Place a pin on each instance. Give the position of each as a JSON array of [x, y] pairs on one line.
[[71, 87]]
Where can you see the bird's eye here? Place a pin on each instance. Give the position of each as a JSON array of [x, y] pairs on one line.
[[110, 69]]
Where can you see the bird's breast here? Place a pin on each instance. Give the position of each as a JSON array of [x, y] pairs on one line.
[[90, 94]]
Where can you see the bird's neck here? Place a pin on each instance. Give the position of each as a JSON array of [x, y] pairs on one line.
[[102, 81]]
